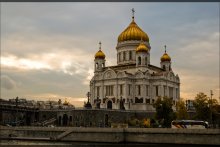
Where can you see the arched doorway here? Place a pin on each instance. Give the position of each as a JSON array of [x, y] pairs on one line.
[[106, 120], [59, 121], [139, 60], [109, 105], [65, 119]]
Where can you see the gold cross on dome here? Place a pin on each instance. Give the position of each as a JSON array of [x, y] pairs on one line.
[[100, 44], [132, 13], [165, 48]]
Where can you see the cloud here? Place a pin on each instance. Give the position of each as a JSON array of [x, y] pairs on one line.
[[53, 53], [7, 83], [77, 102]]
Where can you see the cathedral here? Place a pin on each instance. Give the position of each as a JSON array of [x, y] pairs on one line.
[[134, 83]]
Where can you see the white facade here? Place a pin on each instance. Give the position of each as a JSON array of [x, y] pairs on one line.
[[133, 83]]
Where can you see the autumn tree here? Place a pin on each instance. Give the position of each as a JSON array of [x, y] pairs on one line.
[[205, 107], [201, 105], [215, 111], [181, 110], [164, 111]]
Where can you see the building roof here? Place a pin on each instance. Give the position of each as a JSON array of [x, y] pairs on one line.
[[133, 32], [156, 69]]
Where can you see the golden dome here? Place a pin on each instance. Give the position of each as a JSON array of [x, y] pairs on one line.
[[165, 57], [142, 48], [133, 32], [100, 55], [65, 103]]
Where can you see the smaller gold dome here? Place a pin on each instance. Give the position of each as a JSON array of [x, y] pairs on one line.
[[142, 48], [165, 57], [100, 55], [65, 103]]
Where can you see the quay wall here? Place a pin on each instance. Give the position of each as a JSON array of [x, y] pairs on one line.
[[114, 135]]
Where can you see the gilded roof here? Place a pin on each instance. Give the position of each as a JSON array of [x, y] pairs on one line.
[[133, 32], [165, 57], [142, 48], [100, 55]]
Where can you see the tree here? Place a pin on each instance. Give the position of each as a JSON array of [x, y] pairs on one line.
[[181, 111], [164, 111], [206, 108], [201, 105], [215, 111]]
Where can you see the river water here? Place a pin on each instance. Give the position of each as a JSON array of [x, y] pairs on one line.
[[86, 144]]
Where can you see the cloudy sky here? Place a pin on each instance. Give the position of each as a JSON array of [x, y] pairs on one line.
[[47, 49]]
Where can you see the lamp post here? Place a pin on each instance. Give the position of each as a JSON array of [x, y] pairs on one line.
[[88, 104], [88, 95], [16, 107], [211, 93], [97, 103]]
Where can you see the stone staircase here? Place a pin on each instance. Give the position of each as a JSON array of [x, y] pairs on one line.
[[45, 122], [62, 135]]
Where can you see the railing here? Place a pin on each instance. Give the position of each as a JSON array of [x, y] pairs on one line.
[[45, 122]]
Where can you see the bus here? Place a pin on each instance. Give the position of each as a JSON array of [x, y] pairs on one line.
[[189, 124]]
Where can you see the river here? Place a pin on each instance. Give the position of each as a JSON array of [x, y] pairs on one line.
[[86, 144]]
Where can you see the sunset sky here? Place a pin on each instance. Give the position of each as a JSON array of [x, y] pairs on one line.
[[47, 49]]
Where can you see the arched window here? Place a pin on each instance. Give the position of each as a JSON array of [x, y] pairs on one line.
[[119, 57], [164, 67], [130, 55], [145, 60], [124, 56], [139, 89], [96, 65], [139, 60]]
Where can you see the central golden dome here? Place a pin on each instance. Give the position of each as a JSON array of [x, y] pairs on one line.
[[133, 32]]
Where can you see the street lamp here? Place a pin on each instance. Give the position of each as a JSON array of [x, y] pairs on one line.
[[211, 93], [88, 104], [16, 107], [88, 95]]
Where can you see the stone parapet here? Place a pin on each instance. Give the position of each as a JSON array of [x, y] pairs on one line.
[[115, 135]]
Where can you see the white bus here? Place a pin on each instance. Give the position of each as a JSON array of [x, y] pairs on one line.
[[189, 124]]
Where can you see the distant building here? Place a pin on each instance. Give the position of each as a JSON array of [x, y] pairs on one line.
[[134, 83], [38, 104], [189, 105]]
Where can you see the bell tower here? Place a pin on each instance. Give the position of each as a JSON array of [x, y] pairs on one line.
[[142, 55], [165, 61], [99, 61]]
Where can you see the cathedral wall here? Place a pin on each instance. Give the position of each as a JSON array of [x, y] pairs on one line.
[[150, 90], [100, 117]]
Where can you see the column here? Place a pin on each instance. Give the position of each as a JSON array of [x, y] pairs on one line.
[[126, 89], [102, 90], [160, 90]]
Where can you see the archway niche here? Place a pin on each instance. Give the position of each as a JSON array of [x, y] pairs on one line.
[[109, 105], [65, 120]]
